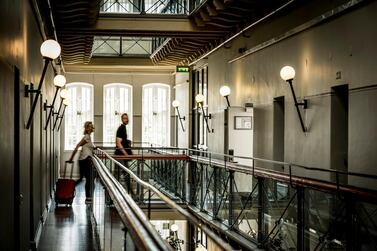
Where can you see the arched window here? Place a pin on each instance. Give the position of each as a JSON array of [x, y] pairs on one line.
[[79, 111], [117, 99], [156, 114]]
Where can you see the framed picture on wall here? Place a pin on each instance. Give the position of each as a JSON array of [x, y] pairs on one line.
[[243, 122]]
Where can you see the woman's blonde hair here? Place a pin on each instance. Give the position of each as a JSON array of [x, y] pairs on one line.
[[86, 126]]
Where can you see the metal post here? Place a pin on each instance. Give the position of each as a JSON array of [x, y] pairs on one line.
[[149, 204], [300, 218], [261, 209], [202, 187], [353, 242], [142, 11], [141, 175], [231, 191], [215, 190]]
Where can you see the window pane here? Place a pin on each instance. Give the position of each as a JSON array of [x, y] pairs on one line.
[[79, 111], [156, 114], [117, 100]]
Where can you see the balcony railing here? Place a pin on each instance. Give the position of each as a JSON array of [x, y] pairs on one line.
[[278, 207], [277, 210], [116, 173], [144, 6]]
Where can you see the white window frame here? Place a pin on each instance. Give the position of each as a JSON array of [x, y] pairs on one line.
[[148, 118], [115, 116], [73, 115]]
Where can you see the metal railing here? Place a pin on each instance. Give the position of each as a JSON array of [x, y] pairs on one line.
[[137, 228], [277, 210], [274, 209], [108, 164], [144, 7]]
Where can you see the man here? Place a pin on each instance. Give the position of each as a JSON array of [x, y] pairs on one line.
[[122, 143], [123, 148]]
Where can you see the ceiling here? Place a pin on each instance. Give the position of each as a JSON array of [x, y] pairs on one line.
[[184, 38]]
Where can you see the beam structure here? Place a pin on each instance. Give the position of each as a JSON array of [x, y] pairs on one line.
[[122, 65], [144, 26]]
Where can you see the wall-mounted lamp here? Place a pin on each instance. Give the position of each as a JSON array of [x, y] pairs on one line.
[[173, 239], [225, 91], [199, 98], [50, 49], [174, 228], [59, 82], [287, 73], [65, 103], [175, 104], [63, 96]]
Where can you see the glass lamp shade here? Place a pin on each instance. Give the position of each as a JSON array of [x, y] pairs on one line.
[[63, 93], [199, 98], [174, 227], [224, 90], [66, 102], [50, 49], [59, 81], [175, 103], [287, 73]]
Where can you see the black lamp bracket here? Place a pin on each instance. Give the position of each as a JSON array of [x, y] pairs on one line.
[[30, 89], [45, 106], [180, 118], [227, 100], [38, 91], [206, 117], [304, 103]]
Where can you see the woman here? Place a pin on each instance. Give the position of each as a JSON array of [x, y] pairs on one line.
[[85, 161]]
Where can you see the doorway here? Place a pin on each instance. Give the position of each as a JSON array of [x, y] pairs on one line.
[[278, 131], [339, 132]]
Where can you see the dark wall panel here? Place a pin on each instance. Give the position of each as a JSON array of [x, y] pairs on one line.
[[24, 170], [20, 39], [7, 155]]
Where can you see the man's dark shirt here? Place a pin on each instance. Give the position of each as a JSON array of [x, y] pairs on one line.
[[122, 133]]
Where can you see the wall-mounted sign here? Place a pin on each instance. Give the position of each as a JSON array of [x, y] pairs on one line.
[[183, 69], [243, 122]]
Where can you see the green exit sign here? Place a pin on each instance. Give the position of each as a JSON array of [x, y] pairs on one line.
[[183, 69]]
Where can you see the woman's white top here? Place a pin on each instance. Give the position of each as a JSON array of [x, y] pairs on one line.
[[87, 149]]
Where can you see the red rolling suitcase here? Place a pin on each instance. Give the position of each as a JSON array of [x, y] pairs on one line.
[[65, 188]]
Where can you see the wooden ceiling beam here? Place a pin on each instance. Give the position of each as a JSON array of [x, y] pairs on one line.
[[161, 26]]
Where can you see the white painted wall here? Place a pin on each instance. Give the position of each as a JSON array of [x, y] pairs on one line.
[[137, 80], [317, 54], [182, 95]]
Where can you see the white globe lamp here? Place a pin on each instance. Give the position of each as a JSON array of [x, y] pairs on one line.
[[287, 73], [224, 90], [64, 94], [175, 103], [199, 98], [59, 81], [50, 49]]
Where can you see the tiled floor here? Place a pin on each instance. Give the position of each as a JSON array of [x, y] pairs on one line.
[[69, 228]]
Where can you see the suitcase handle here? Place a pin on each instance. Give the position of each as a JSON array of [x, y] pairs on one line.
[[65, 168]]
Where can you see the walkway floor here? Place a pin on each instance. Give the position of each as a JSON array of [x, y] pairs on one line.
[[69, 228]]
